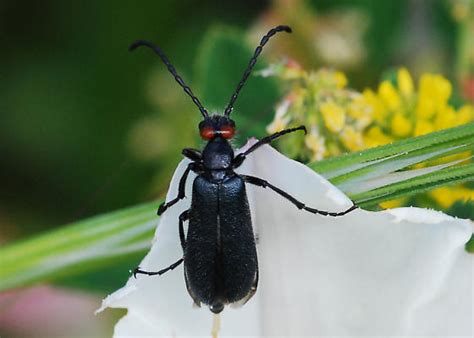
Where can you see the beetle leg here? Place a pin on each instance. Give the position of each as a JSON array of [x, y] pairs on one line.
[[181, 190], [262, 183], [240, 158], [182, 218], [137, 270], [193, 154]]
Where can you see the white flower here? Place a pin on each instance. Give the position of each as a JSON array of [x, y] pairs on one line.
[[400, 272]]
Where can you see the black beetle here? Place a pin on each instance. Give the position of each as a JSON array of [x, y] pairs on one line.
[[219, 251]]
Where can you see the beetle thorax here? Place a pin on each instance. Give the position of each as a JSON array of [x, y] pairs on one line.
[[218, 154]]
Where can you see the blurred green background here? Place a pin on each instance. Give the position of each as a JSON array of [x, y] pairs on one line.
[[87, 127]]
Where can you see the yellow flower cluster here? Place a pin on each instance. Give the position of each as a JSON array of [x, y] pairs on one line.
[[401, 112], [343, 120], [334, 115]]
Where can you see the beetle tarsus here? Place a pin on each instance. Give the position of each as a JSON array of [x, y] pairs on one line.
[[161, 209], [332, 214], [164, 206], [137, 270]]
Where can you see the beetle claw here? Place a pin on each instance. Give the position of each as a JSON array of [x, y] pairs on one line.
[[136, 271], [161, 209]]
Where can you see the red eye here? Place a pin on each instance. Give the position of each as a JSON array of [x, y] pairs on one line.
[[227, 132], [207, 133]]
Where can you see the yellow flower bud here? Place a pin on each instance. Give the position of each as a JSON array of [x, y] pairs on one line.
[[340, 79], [405, 82], [352, 139], [393, 203], [446, 196], [401, 125], [389, 95], [334, 116], [376, 137], [446, 118], [434, 88], [425, 108], [443, 89], [379, 112], [465, 114], [423, 127]]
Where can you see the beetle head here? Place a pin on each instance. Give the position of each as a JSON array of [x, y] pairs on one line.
[[217, 125]]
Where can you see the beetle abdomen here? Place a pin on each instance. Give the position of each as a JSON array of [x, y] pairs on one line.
[[220, 256]]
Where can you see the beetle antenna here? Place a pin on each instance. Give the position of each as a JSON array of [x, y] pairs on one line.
[[251, 64], [172, 70]]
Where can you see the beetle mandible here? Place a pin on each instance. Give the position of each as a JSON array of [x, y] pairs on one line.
[[219, 250]]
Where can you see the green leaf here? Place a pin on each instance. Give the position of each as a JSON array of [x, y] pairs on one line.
[[387, 172], [79, 247], [451, 175]]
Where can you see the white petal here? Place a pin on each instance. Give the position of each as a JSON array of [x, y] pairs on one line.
[[399, 272]]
